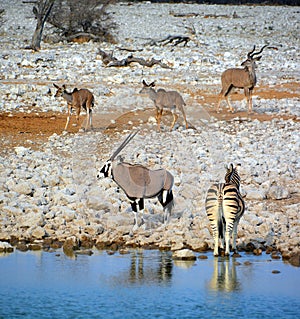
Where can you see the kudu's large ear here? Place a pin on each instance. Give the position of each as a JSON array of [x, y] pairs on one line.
[[152, 84], [257, 58], [144, 83], [55, 85]]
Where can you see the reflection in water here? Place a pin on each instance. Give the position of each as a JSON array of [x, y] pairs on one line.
[[145, 269], [185, 264], [224, 276]]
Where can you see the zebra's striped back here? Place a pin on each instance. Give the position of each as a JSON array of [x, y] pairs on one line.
[[213, 206], [233, 204], [224, 207]]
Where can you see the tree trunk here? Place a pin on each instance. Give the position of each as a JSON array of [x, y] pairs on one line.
[[42, 13]]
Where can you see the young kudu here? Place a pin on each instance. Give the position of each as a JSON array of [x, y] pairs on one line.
[[165, 99], [76, 100], [139, 182], [240, 78]]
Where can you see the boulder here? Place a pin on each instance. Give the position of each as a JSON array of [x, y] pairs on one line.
[[184, 254]]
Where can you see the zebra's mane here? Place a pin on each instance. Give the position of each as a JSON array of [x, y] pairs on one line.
[[232, 176]]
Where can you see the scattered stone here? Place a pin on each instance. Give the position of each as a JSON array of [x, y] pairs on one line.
[[22, 247], [6, 247], [35, 247], [38, 233], [257, 251], [275, 272], [250, 247], [269, 250], [247, 263], [184, 254], [278, 192], [275, 255], [295, 260]]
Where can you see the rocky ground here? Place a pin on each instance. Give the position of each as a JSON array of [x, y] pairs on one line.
[[49, 191]]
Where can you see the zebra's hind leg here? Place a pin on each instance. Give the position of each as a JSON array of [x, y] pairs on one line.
[[227, 242], [216, 243], [234, 236]]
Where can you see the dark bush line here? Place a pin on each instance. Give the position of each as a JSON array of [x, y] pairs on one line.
[[234, 2]]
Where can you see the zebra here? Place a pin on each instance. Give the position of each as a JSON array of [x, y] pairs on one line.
[[224, 208]]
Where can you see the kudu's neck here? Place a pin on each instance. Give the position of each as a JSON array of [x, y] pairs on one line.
[[67, 96], [152, 94], [251, 71]]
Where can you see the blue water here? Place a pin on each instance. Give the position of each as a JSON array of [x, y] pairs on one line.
[[145, 284]]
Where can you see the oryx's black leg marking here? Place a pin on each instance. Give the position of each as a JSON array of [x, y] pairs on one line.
[[169, 198], [133, 204], [141, 204]]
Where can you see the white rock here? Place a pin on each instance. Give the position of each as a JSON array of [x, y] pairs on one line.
[[278, 192], [184, 254]]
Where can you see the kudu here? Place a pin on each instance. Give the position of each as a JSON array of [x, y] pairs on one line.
[[139, 182], [78, 99], [165, 99], [240, 78]]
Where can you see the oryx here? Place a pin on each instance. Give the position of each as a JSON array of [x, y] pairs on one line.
[[139, 182]]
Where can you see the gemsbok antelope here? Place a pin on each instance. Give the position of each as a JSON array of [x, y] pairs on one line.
[[165, 99], [241, 79], [225, 207], [78, 99], [139, 182]]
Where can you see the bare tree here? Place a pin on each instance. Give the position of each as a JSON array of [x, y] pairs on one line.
[[41, 13], [87, 19], [2, 11]]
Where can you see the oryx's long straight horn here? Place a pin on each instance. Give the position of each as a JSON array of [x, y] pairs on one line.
[[124, 143]]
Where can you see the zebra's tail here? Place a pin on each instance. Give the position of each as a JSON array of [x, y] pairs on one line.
[[221, 222]]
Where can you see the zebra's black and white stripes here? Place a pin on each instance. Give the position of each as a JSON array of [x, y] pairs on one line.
[[224, 207]]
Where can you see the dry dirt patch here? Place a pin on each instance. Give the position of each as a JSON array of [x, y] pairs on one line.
[[33, 129]]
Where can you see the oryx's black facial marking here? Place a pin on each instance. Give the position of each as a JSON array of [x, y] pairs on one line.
[[105, 170]]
